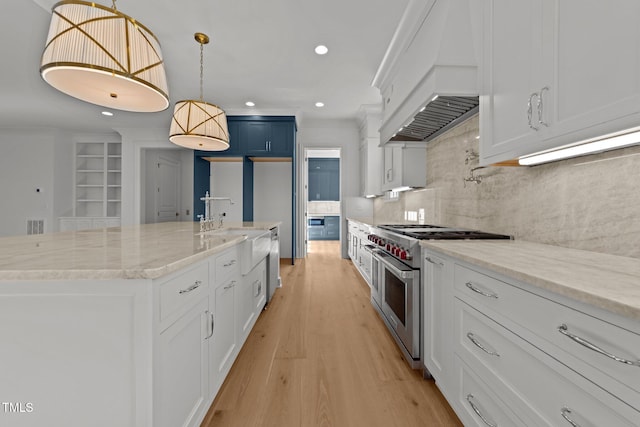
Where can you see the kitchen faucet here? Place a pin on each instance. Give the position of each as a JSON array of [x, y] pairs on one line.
[[207, 221]]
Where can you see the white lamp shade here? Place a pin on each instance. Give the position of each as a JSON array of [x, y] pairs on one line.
[[104, 57], [200, 126]]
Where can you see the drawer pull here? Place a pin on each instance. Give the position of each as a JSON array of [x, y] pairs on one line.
[[476, 409], [565, 412], [196, 285], [230, 263], [477, 290], [434, 262], [482, 347], [564, 331], [230, 285]]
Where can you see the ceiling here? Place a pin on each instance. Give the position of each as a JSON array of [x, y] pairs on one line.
[[260, 51]]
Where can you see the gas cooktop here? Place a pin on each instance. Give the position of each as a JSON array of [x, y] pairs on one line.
[[435, 232]]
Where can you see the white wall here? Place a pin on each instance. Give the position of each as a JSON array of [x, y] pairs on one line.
[[342, 134], [32, 159], [226, 181], [134, 143], [272, 198]]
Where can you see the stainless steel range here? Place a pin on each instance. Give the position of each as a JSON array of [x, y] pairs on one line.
[[396, 286]]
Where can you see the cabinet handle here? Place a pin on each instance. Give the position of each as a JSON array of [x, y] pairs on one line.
[[564, 330], [230, 263], [477, 290], [565, 412], [540, 106], [434, 262], [213, 324], [530, 110], [478, 344], [230, 285], [476, 409], [196, 285]]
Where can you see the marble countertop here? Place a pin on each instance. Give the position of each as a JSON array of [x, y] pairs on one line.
[[145, 251], [606, 281]]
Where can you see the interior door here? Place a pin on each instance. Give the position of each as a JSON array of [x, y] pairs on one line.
[[167, 200]]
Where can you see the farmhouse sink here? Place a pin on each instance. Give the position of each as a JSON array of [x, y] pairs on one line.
[[253, 250]]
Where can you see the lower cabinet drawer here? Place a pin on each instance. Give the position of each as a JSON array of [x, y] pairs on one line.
[[541, 390], [226, 265], [179, 292], [476, 404], [587, 344]]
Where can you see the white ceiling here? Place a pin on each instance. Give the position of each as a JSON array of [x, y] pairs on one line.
[[260, 50]]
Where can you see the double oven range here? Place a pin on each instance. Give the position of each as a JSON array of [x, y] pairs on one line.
[[395, 282]]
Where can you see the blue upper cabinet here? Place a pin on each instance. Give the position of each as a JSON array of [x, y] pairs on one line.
[[268, 138], [235, 147], [324, 179]]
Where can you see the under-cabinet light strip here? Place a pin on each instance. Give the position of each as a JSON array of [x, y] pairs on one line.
[[605, 143]]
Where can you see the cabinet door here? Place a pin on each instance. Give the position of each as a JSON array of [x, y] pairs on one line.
[[235, 140], [281, 139], [438, 319], [510, 68], [593, 68], [392, 177], [223, 344], [256, 136], [182, 369]]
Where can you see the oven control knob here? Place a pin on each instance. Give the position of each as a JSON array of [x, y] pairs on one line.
[[403, 254], [388, 246], [396, 251], [381, 242]]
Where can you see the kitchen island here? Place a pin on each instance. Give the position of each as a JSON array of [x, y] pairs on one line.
[[127, 326]]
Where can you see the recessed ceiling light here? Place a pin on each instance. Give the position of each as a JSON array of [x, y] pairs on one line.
[[250, 104], [319, 104], [107, 113], [321, 49]]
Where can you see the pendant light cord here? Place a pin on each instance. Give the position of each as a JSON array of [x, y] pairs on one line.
[[201, 72], [114, 4]]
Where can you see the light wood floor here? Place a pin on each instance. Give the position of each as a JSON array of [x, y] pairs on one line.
[[319, 355]]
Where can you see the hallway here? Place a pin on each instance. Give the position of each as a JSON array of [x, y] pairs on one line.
[[319, 355]]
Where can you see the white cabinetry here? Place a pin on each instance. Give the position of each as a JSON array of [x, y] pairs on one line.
[[438, 320], [370, 164], [518, 353], [404, 166], [370, 151], [556, 72], [252, 298], [182, 380], [223, 345], [358, 238]]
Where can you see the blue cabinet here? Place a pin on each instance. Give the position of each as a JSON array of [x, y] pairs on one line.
[[324, 228], [269, 139], [324, 179]]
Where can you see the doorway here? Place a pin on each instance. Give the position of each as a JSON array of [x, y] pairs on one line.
[[162, 186], [322, 198]]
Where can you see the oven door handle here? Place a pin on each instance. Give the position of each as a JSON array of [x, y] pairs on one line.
[[403, 274]]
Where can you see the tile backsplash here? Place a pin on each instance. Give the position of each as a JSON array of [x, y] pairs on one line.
[[590, 202]]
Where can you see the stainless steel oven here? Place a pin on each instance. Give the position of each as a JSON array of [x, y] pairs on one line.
[[399, 300]]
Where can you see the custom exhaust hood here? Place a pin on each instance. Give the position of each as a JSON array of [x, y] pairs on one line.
[[428, 77]]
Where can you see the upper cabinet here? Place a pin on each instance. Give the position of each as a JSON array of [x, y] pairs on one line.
[[370, 151], [265, 138], [324, 179], [556, 72], [404, 166]]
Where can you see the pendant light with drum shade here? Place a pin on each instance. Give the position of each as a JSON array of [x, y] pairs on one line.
[[102, 56], [197, 124]]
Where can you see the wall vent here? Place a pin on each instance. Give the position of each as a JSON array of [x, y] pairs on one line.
[[35, 226]]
